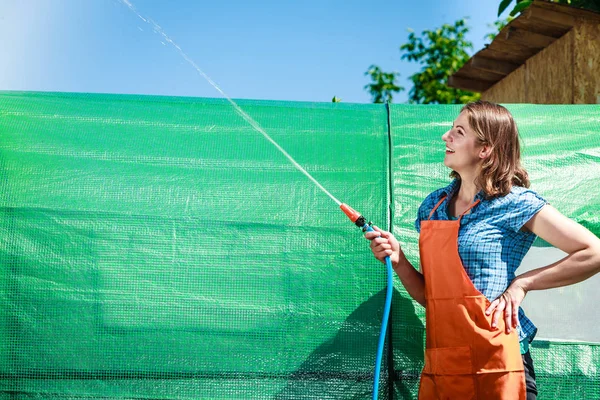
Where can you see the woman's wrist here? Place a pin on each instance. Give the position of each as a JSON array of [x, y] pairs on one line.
[[523, 282], [401, 263]]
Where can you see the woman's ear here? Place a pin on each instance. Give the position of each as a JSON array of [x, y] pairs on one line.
[[485, 151]]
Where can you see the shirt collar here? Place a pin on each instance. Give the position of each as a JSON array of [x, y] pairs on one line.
[[455, 185]]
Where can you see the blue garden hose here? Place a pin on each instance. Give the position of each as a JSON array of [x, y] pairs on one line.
[[360, 221], [384, 321]]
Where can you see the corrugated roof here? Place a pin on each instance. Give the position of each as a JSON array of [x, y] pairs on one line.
[[534, 29]]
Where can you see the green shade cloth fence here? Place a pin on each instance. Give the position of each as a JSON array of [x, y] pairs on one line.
[[161, 248]]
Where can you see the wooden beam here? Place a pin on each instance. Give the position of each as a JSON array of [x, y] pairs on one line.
[[551, 17], [519, 53], [541, 27], [528, 39], [502, 56], [491, 65], [566, 9], [469, 84]]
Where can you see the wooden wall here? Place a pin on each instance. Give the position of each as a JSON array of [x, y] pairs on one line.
[[566, 72], [586, 64]]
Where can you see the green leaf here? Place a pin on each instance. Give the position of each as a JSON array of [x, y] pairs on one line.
[[520, 7], [503, 5]]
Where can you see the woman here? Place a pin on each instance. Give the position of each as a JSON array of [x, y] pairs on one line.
[[474, 234]]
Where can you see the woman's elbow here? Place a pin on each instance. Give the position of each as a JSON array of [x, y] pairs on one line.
[[589, 257], [595, 250]]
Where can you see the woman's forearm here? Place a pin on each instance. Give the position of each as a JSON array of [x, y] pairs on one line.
[[581, 245], [574, 268], [411, 279]]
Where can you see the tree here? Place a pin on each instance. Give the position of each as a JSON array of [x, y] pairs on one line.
[[593, 5], [383, 85], [442, 52]]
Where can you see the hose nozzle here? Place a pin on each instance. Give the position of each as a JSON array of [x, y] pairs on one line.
[[354, 215], [350, 212]]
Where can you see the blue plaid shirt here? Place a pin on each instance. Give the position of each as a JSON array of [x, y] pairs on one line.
[[491, 244]]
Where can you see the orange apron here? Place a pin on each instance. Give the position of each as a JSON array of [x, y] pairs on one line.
[[464, 358]]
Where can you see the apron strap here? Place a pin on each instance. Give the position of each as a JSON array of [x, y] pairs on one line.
[[467, 210], [436, 206], [460, 216]]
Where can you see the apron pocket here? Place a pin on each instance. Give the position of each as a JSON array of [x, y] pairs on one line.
[[448, 361]]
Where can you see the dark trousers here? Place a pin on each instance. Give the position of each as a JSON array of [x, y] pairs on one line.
[[529, 376]]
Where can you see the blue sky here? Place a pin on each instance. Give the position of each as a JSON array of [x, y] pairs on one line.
[[306, 50]]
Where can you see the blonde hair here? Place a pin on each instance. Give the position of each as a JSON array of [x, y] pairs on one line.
[[495, 127]]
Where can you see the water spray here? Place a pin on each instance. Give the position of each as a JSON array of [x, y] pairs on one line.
[[354, 216]]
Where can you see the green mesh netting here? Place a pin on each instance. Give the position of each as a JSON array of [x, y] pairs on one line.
[[157, 247]]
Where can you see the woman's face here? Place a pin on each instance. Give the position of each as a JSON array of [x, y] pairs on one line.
[[463, 154]]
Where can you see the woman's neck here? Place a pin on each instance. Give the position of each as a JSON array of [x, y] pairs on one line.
[[468, 190]]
